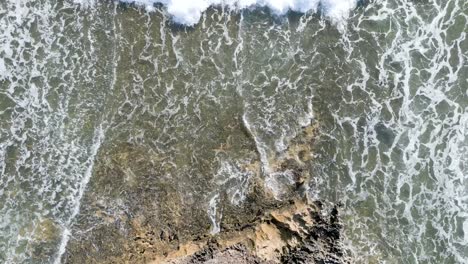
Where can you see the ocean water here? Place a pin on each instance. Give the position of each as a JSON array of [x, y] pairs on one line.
[[386, 81]]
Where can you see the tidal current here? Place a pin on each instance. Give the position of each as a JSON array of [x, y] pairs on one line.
[[170, 95]]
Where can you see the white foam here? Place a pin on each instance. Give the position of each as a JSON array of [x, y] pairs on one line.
[[188, 12], [213, 214]]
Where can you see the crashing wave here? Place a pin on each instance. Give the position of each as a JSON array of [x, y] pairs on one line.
[[188, 12]]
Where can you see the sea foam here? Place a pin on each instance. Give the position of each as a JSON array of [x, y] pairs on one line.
[[188, 12]]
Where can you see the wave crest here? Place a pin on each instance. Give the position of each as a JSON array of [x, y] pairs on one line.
[[188, 12]]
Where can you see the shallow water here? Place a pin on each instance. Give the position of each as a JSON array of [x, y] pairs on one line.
[[387, 84]]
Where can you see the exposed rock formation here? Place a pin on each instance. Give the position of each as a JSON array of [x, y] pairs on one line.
[[297, 233]]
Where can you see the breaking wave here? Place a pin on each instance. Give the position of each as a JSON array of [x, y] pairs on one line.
[[189, 12]]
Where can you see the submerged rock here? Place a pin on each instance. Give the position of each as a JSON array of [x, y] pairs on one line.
[[141, 207]]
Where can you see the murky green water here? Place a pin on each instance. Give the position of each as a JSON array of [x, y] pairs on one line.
[[109, 106]]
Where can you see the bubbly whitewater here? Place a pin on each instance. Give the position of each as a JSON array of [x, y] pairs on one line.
[[386, 80], [189, 12]]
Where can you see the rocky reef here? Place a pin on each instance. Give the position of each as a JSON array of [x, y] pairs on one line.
[[137, 211], [298, 232]]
